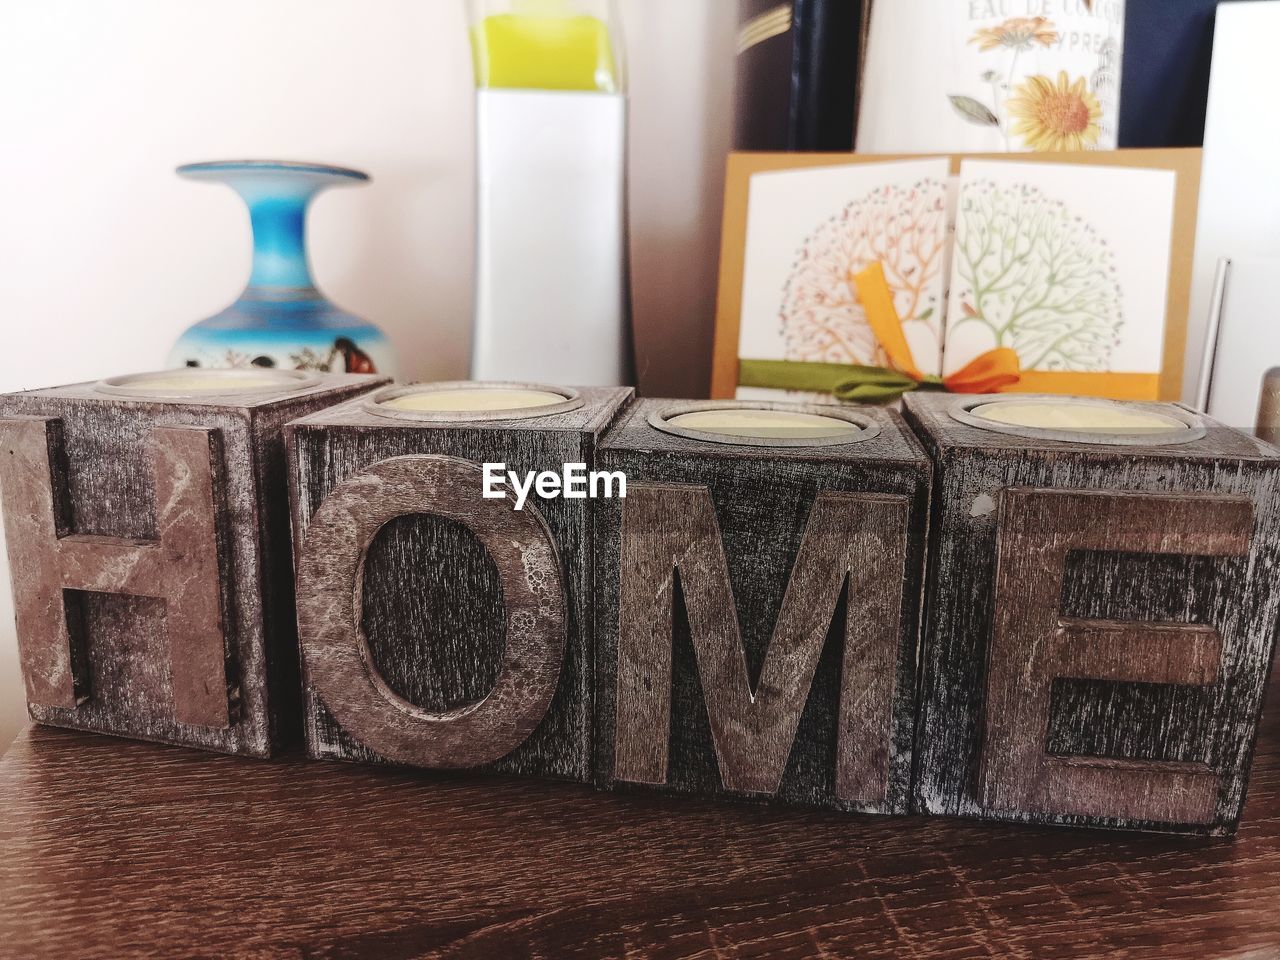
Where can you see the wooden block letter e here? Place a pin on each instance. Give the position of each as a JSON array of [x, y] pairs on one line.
[[1032, 644]]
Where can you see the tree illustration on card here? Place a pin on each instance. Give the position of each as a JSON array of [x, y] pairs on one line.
[[1031, 274], [901, 227]]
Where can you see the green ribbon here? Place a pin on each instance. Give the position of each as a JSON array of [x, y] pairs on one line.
[[850, 382]]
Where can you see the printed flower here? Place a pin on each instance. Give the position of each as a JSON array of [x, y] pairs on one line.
[[1017, 33], [1050, 117]]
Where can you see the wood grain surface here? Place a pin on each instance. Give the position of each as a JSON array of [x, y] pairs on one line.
[[1129, 571], [798, 702], [330, 570], [111, 848], [433, 617], [108, 468], [1032, 645], [183, 567], [754, 727]]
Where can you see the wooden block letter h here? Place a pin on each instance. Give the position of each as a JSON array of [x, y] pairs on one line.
[[181, 567]]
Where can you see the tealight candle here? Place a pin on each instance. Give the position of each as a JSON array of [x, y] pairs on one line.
[[462, 401], [761, 424], [194, 381], [1075, 415], [478, 400]]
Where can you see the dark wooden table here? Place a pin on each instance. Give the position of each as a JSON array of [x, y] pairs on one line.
[[117, 849]]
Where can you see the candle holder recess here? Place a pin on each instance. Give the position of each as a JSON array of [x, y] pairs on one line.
[[758, 594], [469, 643], [1102, 615], [148, 536]]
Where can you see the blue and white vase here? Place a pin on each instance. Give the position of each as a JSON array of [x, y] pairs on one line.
[[281, 319]]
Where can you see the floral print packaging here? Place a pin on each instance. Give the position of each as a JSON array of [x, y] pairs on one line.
[[992, 75]]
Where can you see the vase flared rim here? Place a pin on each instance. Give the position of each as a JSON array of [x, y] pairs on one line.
[[218, 167]]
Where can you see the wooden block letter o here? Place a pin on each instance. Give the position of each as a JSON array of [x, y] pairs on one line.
[[336, 655]]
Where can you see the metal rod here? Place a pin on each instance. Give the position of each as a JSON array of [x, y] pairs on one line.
[[1211, 335]]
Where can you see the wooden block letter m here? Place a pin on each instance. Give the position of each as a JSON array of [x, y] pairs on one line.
[[860, 537]]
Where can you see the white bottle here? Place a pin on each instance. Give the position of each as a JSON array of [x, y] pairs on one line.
[[551, 258]]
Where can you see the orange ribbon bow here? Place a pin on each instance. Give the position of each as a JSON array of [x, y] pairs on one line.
[[992, 371]]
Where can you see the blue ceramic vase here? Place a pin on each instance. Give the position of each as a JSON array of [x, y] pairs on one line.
[[281, 319]]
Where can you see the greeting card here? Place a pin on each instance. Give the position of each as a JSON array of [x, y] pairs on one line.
[[811, 232], [1068, 266]]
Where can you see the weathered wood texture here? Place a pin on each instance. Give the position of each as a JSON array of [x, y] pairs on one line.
[[113, 849], [446, 650], [533, 613], [757, 616], [1100, 626], [150, 556]]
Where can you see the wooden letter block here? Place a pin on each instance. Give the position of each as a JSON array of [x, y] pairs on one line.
[[1101, 619], [440, 628], [148, 535], [758, 601]]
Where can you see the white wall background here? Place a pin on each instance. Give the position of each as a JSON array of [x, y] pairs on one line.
[[1239, 190], [105, 255]]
